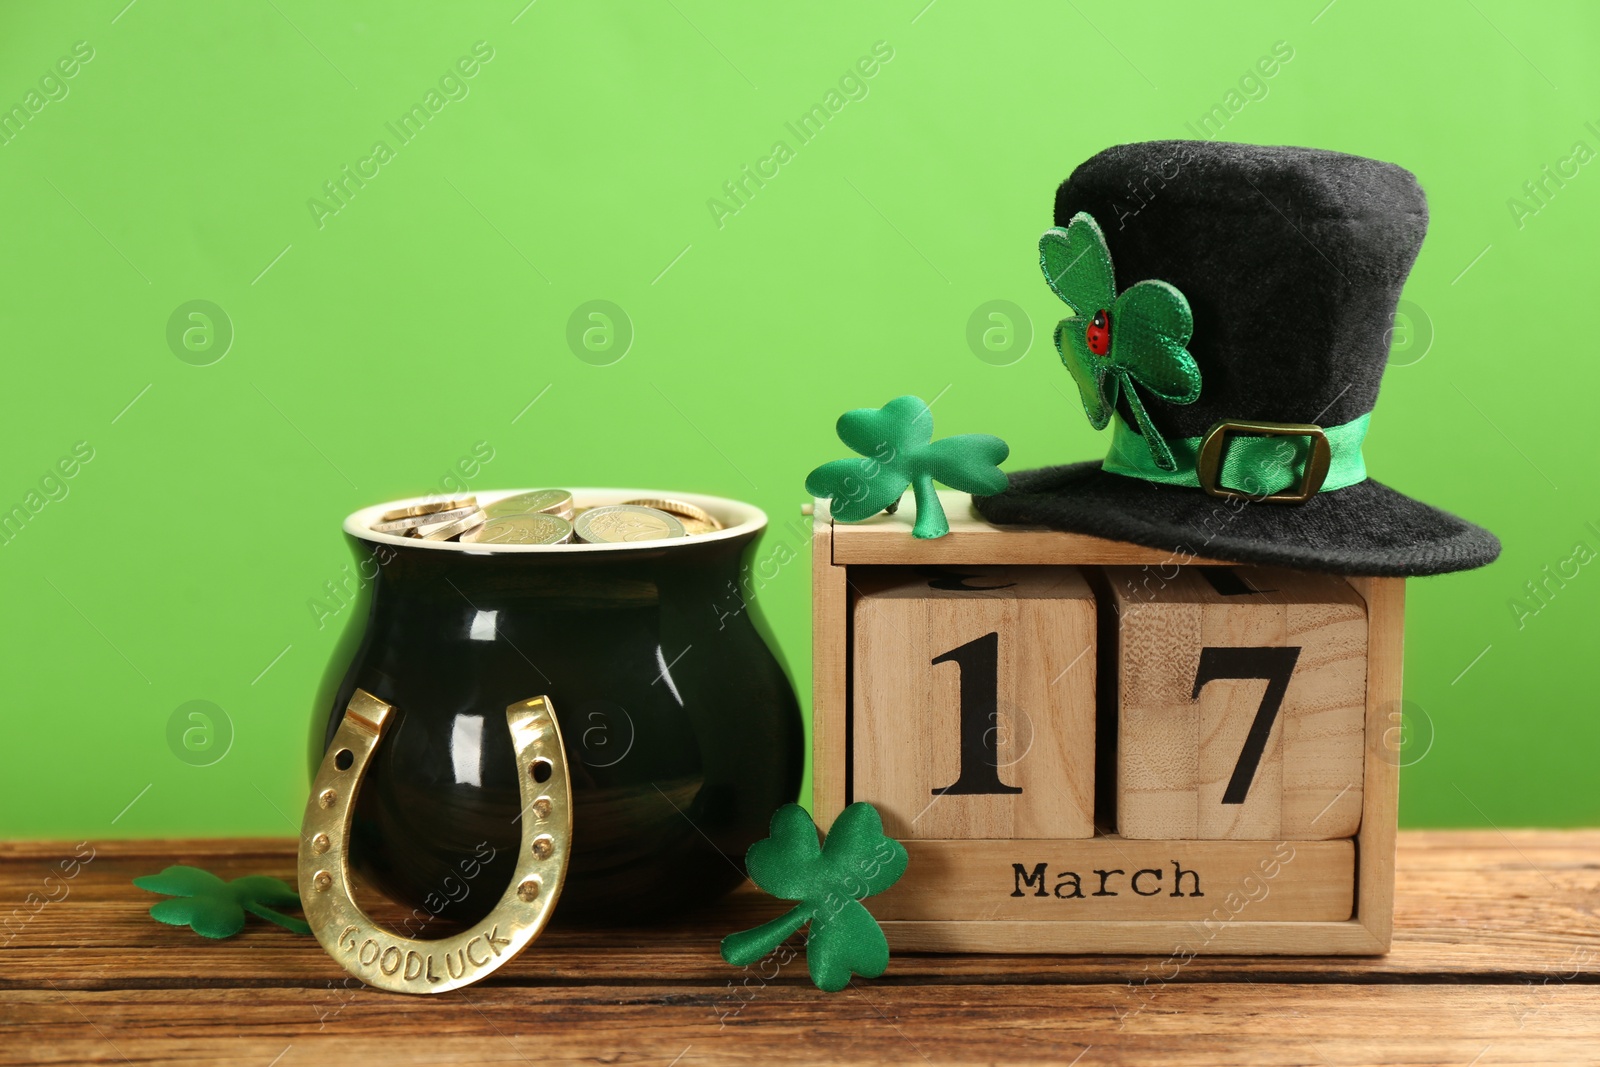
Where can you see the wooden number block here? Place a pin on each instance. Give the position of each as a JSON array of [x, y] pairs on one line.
[[1241, 703], [973, 701]]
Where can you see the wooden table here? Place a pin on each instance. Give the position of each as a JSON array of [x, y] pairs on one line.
[[1496, 960]]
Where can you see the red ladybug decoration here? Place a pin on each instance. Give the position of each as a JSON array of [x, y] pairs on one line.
[[1098, 335]]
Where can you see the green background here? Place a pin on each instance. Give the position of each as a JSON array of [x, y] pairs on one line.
[[376, 347]]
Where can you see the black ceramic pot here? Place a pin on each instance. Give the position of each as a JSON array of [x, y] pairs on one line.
[[682, 733]]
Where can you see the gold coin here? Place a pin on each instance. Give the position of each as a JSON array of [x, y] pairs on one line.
[[546, 501], [531, 529], [408, 526], [446, 531], [693, 527], [626, 523], [430, 507], [696, 520]]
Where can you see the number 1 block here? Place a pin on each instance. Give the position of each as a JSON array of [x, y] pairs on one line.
[[1241, 703], [973, 702]]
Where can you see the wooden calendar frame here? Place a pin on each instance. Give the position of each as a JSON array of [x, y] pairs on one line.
[[887, 541]]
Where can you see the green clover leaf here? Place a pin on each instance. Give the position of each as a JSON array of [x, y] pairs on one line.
[[829, 880], [214, 908], [1113, 343], [898, 450]]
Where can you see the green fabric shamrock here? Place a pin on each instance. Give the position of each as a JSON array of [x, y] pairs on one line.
[[1112, 343], [897, 444], [829, 881], [214, 908]]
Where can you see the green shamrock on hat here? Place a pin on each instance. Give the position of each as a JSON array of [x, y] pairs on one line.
[[1115, 345]]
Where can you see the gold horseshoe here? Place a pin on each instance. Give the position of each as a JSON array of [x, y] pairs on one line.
[[408, 965]]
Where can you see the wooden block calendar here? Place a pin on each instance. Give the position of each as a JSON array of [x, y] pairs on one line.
[[1091, 746]]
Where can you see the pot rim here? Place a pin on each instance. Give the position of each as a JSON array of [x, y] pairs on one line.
[[739, 519]]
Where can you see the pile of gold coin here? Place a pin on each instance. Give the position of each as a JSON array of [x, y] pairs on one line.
[[546, 517]]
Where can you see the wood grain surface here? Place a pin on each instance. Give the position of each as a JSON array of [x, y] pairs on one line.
[[887, 539], [1496, 960]]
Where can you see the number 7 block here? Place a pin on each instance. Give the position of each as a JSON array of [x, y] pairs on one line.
[[973, 708], [1240, 703]]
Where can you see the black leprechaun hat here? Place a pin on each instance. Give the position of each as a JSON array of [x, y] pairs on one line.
[[1230, 308]]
